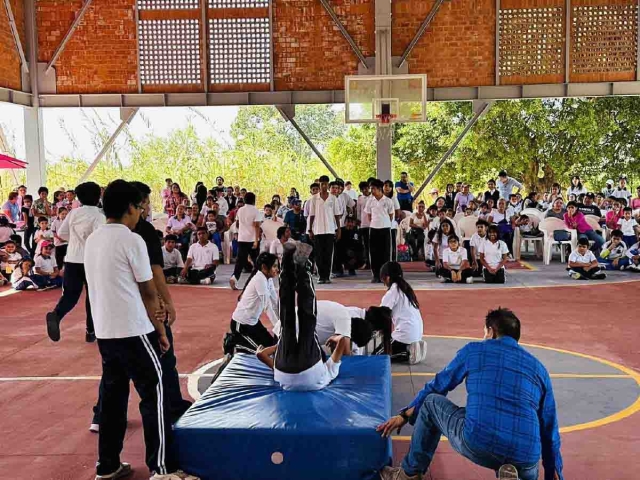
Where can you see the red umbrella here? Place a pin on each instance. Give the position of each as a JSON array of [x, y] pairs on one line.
[[7, 162]]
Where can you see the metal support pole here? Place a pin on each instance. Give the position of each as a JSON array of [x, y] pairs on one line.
[[497, 42], [105, 148], [344, 32], [383, 66], [68, 36], [567, 42], [288, 116], [480, 108], [16, 36], [421, 30]]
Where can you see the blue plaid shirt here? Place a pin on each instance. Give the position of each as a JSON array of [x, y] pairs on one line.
[[510, 411]]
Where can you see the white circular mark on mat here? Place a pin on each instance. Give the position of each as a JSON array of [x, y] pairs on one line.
[[277, 458]]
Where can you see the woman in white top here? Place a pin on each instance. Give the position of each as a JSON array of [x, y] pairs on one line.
[[388, 190], [419, 222], [405, 312], [576, 187], [259, 295], [297, 360]]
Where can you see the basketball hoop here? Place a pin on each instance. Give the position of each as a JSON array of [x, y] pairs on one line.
[[385, 118]]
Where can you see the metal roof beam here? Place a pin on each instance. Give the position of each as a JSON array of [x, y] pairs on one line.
[[345, 34], [16, 36], [67, 36], [421, 30]]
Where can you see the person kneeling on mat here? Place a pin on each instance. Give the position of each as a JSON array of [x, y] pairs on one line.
[[510, 420], [298, 364]]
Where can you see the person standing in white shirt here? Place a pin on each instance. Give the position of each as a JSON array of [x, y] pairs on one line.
[[76, 228], [248, 224], [363, 220], [379, 210], [324, 218], [131, 338], [222, 202], [202, 260], [348, 187]]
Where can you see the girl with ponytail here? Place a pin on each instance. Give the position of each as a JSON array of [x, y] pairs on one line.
[[406, 339]]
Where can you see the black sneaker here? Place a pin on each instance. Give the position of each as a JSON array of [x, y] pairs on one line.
[[53, 326], [89, 337]]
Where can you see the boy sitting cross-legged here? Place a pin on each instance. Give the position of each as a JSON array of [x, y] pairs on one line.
[[583, 264], [614, 253], [173, 262]]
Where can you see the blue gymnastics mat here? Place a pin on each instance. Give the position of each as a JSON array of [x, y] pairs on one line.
[[245, 427]]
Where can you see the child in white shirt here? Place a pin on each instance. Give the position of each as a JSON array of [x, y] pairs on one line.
[[633, 254], [455, 263], [478, 239], [277, 247], [47, 273], [59, 243], [172, 259], [42, 234], [493, 256], [614, 253], [9, 259], [583, 264], [629, 227]]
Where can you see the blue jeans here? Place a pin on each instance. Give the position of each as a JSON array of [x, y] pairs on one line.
[[439, 416], [597, 239], [622, 262]]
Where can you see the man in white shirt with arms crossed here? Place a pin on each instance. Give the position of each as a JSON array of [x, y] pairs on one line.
[[130, 337]]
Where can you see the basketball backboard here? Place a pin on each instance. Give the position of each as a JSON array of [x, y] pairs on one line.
[[399, 98]]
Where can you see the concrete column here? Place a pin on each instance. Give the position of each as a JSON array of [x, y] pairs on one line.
[[384, 66], [34, 146]]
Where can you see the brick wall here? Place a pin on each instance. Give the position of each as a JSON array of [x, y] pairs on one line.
[[10, 75], [101, 55], [458, 47], [310, 53]]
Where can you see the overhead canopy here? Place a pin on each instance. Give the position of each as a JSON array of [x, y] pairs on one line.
[[7, 162]]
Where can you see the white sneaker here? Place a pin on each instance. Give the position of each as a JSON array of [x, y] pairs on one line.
[[470, 280], [233, 283], [444, 280], [205, 281], [417, 352], [94, 427], [124, 471], [177, 475]]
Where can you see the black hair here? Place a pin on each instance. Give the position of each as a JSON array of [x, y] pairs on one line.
[[210, 212], [583, 242], [314, 185], [502, 173], [363, 185], [440, 233], [171, 237], [393, 270], [431, 235], [381, 320], [201, 195], [348, 182], [27, 197], [579, 181], [168, 180], [17, 239], [361, 331], [71, 191], [13, 195], [333, 184], [268, 205], [375, 183], [504, 323], [281, 231], [453, 237], [9, 242], [250, 198], [627, 209], [22, 186], [492, 229], [265, 259], [202, 229], [89, 193], [388, 183], [491, 180], [556, 185], [572, 204], [143, 187], [118, 197], [63, 208], [617, 233], [403, 173], [159, 234], [42, 219], [323, 179], [43, 189], [4, 221]]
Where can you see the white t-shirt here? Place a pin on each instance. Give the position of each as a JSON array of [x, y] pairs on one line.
[[379, 211], [332, 318], [627, 226], [347, 202], [476, 241], [311, 379], [203, 255], [77, 227], [396, 206], [115, 261], [498, 217], [352, 193], [619, 193], [586, 259], [205, 209], [246, 218], [454, 259], [419, 222], [407, 321], [224, 206], [55, 228], [324, 213], [493, 252], [172, 259], [8, 263], [277, 248], [360, 206], [47, 265], [259, 296]]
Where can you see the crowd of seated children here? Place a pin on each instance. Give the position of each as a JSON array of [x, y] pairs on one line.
[[202, 260], [47, 275], [455, 263], [493, 255], [583, 264]]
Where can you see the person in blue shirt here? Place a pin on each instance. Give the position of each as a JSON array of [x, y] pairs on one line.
[[405, 189], [506, 184], [510, 418]]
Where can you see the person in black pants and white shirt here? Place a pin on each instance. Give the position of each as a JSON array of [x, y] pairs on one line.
[[380, 210], [76, 228], [248, 223], [324, 219], [131, 338]]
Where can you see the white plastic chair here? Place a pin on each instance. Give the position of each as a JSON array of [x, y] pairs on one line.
[[403, 229], [547, 227], [533, 212], [518, 239], [458, 216], [467, 227]]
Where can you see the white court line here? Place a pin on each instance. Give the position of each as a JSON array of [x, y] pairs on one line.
[[11, 291], [93, 377], [192, 383]]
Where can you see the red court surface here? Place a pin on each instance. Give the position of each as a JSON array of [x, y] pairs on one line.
[[44, 422]]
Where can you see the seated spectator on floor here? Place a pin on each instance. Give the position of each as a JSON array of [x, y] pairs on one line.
[[442, 242], [633, 254], [527, 228], [42, 234], [349, 248], [5, 231], [614, 253], [477, 239], [283, 235], [173, 263], [455, 263], [10, 257], [629, 226], [583, 264], [419, 223], [22, 276], [498, 427], [296, 221], [181, 226], [202, 260], [429, 257], [493, 255], [575, 220], [588, 207], [47, 274]]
